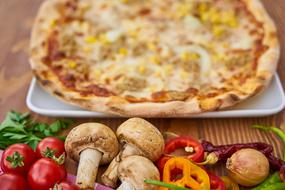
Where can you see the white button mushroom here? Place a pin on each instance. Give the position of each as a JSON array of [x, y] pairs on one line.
[[138, 137], [91, 144], [132, 172]]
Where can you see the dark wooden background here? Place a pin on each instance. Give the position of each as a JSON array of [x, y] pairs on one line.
[[16, 19]]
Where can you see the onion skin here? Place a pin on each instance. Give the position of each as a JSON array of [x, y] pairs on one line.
[[248, 167]]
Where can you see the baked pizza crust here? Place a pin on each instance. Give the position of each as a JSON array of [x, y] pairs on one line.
[[266, 68]]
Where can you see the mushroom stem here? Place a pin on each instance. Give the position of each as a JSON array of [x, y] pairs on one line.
[[110, 176], [87, 168], [130, 150], [125, 186]]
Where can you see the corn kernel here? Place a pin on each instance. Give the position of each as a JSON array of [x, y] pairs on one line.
[[215, 57], [103, 39], [97, 73], [221, 57], [214, 16], [72, 64], [229, 18], [91, 39], [218, 30], [123, 51], [184, 10], [154, 59], [185, 56], [151, 46], [133, 33], [203, 7], [87, 49], [205, 16], [233, 23], [194, 56], [53, 23], [142, 69]]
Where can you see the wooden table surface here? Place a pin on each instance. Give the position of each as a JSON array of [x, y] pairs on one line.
[[16, 18]]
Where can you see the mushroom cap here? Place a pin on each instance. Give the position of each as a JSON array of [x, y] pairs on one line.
[[142, 135], [94, 136], [135, 169]]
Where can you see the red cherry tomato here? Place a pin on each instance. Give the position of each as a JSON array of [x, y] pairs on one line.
[[66, 186], [18, 158], [50, 147], [44, 173], [13, 181]]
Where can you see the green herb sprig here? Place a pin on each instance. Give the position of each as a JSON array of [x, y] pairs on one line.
[[163, 184], [21, 128]]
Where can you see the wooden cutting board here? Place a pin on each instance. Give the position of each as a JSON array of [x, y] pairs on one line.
[[16, 18]]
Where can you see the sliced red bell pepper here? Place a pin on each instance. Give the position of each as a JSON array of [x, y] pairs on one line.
[[193, 148], [216, 182]]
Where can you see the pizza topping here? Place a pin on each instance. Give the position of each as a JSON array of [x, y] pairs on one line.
[[187, 56], [91, 39], [218, 19], [131, 84], [68, 45], [238, 60], [152, 50], [184, 9], [195, 52], [165, 96], [68, 80], [53, 23], [111, 36], [123, 51], [96, 90], [72, 64], [192, 22]]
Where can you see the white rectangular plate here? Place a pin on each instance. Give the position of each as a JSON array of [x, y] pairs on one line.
[[271, 101]]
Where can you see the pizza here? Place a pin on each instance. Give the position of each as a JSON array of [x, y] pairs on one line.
[[154, 58]]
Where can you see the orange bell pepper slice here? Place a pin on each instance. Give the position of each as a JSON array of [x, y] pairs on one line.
[[192, 175]]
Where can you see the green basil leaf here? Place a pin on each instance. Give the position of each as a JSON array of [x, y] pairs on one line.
[[55, 127], [48, 133], [40, 127], [21, 128], [15, 136]]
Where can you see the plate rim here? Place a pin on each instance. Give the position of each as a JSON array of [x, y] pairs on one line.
[[218, 114]]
